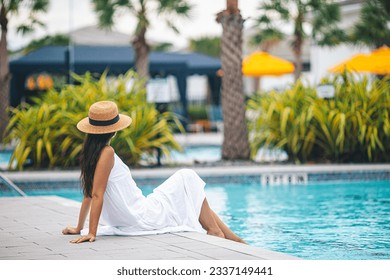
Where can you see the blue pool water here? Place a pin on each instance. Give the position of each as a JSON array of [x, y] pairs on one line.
[[337, 220], [5, 157], [197, 153], [209, 153]]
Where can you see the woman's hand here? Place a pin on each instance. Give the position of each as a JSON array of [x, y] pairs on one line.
[[90, 237], [71, 230]]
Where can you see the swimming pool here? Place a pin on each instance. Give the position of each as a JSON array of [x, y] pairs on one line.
[[332, 220]]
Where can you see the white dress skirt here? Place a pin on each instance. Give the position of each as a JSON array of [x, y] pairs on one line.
[[172, 207]]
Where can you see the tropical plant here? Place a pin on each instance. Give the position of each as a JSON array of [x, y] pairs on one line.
[[108, 10], [46, 132], [235, 141], [283, 121], [351, 127], [373, 28], [322, 15], [197, 112], [9, 8], [357, 121], [267, 35], [207, 45]]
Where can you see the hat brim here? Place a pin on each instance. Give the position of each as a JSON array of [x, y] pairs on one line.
[[85, 126]]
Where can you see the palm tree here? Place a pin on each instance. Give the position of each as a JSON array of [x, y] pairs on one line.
[[235, 143], [266, 35], [373, 28], [322, 15], [9, 8], [107, 10]]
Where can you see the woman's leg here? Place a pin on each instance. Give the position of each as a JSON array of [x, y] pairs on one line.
[[214, 225], [229, 234], [208, 221]]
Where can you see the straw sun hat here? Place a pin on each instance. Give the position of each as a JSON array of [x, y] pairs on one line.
[[103, 117]]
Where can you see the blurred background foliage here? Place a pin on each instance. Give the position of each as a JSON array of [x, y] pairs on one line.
[[208, 45], [351, 127], [46, 134]]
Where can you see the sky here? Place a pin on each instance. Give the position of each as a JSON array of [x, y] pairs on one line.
[[60, 20]]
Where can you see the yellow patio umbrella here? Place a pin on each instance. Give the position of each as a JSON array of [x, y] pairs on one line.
[[357, 63], [263, 64], [380, 61], [377, 62]]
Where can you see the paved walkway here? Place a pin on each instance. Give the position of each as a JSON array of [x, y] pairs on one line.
[[30, 228]]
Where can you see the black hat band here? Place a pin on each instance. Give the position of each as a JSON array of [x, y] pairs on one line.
[[104, 123]]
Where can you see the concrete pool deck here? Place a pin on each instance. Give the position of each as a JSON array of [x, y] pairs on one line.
[[30, 229]]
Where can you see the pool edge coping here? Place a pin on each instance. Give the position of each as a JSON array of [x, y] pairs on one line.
[[215, 171]]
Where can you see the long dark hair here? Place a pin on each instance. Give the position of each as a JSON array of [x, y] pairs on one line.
[[90, 154]]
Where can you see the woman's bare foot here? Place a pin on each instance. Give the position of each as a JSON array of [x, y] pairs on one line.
[[216, 232], [240, 241], [234, 237]]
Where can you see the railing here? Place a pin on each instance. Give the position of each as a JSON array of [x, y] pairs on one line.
[[11, 185]]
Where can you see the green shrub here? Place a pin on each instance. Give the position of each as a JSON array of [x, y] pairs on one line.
[[46, 132], [283, 121], [197, 112], [351, 127]]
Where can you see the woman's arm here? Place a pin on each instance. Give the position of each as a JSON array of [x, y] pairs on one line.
[[85, 206], [84, 209], [102, 172]]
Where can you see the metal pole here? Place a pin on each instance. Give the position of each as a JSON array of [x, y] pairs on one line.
[[70, 50]]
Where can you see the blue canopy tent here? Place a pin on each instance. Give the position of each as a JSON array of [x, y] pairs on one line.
[[117, 60]]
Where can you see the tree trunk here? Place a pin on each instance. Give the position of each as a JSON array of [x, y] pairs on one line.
[[298, 42], [4, 74], [256, 84], [141, 49], [298, 63], [235, 143], [297, 51], [4, 103]]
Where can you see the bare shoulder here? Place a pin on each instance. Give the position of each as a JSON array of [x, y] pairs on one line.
[[108, 150], [107, 155]]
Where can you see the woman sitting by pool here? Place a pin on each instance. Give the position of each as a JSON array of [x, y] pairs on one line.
[[178, 204]]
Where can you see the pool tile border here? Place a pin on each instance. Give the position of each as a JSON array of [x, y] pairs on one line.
[[233, 174]]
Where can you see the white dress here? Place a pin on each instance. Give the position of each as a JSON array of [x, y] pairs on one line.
[[173, 206]]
